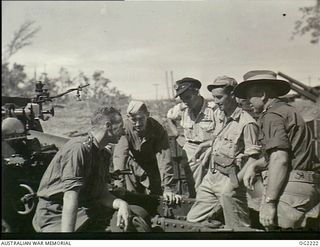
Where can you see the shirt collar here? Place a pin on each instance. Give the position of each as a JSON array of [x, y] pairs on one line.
[[94, 141], [149, 133], [269, 104], [203, 108], [236, 114]]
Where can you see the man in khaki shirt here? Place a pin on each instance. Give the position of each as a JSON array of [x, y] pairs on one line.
[[73, 194], [197, 118], [233, 149]]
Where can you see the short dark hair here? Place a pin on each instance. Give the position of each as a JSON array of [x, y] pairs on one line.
[[102, 114]]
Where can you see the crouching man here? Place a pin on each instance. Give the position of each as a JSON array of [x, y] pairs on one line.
[[144, 149], [73, 195]]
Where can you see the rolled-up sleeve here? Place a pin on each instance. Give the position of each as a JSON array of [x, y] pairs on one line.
[[250, 136], [175, 112], [120, 157], [274, 131], [72, 174]]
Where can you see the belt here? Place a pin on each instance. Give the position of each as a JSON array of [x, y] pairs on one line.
[[195, 142], [299, 176], [230, 172]]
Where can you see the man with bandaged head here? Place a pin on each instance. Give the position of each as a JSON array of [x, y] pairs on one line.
[[144, 149]]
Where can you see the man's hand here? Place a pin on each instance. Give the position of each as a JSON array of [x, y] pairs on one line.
[[171, 197], [123, 213], [249, 177], [268, 214]]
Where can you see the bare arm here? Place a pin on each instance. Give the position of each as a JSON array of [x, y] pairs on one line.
[[109, 200], [165, 166], [277, 173], [69, 210], [245, 167]]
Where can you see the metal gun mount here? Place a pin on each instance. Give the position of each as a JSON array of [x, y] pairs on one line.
[[34, 109], [302, 89]]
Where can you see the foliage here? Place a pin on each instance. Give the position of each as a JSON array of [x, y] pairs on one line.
[[16, 83], [12, 79], [21, 38], [309, 23]]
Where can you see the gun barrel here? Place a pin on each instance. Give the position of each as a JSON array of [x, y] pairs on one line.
[[305, 87], [306, 94]]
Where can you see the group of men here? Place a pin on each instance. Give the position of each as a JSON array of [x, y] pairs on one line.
[[226, 150]]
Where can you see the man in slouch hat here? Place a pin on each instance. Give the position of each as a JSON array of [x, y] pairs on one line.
[[291, 177]]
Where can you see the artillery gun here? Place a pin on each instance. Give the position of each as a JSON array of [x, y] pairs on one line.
[[310, 93], [26, 153]]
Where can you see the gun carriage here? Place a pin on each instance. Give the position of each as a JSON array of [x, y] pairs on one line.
[[26, 153]]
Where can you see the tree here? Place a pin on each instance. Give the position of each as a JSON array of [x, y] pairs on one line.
[[100, 92], [21, 38], [13, 80], [309, 23]]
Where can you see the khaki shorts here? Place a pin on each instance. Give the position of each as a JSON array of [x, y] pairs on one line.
[[299, 201]]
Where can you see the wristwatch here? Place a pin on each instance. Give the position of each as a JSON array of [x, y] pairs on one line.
[[270, 200]]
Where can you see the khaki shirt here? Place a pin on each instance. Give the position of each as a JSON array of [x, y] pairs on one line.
[[79, 163], [198, 128], [238, 136]]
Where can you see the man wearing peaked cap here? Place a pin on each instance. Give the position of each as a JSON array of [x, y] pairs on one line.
[[196, 116], [145, 150], [222, 81], [186, 83], [292, 193], [234, 147]]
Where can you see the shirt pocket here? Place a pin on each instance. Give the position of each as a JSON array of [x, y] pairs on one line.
[[186, 124], [207, 126], [226, 147]]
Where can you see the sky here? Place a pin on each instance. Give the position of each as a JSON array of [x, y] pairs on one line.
[[136, 42]]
